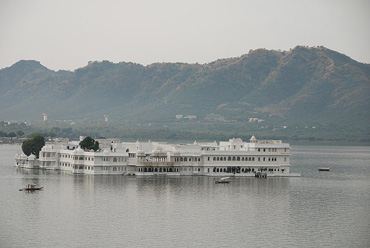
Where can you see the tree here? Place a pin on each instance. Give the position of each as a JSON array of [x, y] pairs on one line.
[[38, 143], [12, 135], [19, 133], [33, 145], [89, 143], [27, 147]]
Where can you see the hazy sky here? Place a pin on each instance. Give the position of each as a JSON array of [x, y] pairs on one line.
[[66, 34]]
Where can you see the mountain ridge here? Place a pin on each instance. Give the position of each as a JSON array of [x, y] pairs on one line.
[[305, 84]]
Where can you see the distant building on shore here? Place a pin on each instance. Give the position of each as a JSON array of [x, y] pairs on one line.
[[253, 120]]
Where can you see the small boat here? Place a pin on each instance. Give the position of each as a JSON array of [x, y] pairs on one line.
[[223, 180], [323, 169], [31, 187]]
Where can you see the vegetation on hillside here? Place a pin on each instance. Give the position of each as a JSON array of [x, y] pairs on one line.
[[301, 87]]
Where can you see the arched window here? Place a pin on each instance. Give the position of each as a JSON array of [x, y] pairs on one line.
[[238, 159], [114, 159], [233, 158]]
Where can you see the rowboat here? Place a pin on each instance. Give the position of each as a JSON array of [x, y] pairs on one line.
[[31, 187], [223, 180]]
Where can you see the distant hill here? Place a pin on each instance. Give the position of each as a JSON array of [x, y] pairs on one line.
[[303, 85]]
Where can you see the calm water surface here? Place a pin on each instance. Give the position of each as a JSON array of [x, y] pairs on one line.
[[319, 209]]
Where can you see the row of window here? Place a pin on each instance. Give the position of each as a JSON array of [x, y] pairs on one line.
[[86, 158], [243, 159], [215, 169], [243, 170], [81, 167], [165, 169], [104, 168], [231, 158], [115, 160], [64, 155], [269, 149], [186, 159], [65, 164], [151, 169], [47, 154]]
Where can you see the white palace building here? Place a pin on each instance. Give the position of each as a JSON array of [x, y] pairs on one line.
[[227, 158]]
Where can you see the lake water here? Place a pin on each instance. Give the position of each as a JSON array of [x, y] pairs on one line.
[[319, 209]]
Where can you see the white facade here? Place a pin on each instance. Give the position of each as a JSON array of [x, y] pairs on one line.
[[228, 158]]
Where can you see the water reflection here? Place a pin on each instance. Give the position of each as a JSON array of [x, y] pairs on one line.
[[315, 210]]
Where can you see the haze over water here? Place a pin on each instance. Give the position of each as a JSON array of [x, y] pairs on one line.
[[319, 209]]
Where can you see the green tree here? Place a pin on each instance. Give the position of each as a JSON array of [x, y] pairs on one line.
[[12, 135], [27, 147], [38, 143], [19, 133], [33, 145], [89, 143]]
